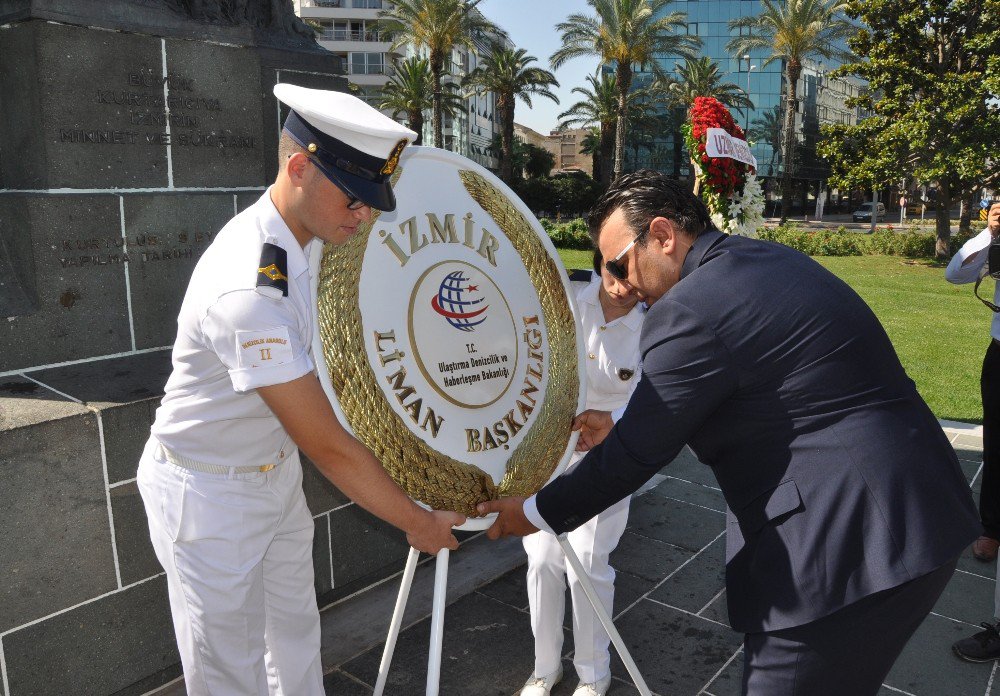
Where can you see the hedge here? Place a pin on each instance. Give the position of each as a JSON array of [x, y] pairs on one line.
[[885, 241]]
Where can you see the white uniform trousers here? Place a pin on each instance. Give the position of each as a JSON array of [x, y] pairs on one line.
[[547, 569], [237, 551]]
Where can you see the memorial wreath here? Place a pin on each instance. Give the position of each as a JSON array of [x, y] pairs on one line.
[[728, 186]]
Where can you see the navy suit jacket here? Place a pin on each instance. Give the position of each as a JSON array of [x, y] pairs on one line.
[[838, 478]]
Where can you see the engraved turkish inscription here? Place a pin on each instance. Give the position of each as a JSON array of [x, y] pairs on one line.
[[170, 105], [86, 252]]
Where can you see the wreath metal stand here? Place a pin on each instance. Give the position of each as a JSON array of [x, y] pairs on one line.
[[437, 620]]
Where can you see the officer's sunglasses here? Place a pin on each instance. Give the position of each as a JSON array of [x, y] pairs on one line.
[[353, 202], [616, 269]]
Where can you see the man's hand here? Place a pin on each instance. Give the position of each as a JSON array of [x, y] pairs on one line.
[[434, 532], [511, 520], [594, 426]]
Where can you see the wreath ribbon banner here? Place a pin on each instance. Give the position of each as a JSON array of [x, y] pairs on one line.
[[449, 339]]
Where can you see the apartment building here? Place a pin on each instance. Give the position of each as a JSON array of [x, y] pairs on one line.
[[351, 29]]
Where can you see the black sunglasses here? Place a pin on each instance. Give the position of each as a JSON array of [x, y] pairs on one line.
[[614, 268], [353, 202]]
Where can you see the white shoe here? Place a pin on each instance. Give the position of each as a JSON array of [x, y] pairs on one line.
[[541, 686], [598, 688]]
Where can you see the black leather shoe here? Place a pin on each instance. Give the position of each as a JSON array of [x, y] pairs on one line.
[[981, 647]]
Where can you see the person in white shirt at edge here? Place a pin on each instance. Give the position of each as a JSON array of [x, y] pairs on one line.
[[611, 316], [965, 267], [220, 475]]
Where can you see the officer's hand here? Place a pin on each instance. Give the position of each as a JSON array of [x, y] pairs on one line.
[[594, 426], [511, 520], [434, 533]]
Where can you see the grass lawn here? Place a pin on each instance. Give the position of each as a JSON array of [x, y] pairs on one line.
[[940, 330]]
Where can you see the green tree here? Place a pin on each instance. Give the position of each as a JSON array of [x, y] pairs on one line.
[[792, 31], [933, 69], [624, 34], [537, 160], [439, 26], [591, 145], [410, 91], [599, 108], [700, 77], [508, 74], [767, 128]]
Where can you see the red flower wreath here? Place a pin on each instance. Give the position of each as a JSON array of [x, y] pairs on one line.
[[720, 177]]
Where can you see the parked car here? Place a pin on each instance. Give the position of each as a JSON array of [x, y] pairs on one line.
[[864, 213]]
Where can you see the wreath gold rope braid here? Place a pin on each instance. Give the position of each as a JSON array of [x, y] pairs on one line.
[[533, 461], [424, 473]]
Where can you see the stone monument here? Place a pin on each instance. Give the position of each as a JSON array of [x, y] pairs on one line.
[[130, 132]]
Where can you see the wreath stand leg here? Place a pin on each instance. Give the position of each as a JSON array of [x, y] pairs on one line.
[[602, 615], [437, 620]]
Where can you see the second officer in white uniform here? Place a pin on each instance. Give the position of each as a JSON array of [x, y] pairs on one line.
[[220, 476], [611, 317]]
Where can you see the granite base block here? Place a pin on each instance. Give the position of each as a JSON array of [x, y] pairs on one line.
[[79, 274], [322, 577], [56, 547], [365, 549], [167, 234], [136, 558], [100, 647]]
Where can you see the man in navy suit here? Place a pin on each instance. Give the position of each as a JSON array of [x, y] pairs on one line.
[[847, 506]]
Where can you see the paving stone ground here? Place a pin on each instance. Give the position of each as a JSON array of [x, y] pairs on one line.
[[670, 607]]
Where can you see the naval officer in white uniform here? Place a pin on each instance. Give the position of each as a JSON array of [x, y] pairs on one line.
[[611, 317], [220, 476]]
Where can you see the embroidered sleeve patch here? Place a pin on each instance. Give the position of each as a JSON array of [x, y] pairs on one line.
[[266, 348]]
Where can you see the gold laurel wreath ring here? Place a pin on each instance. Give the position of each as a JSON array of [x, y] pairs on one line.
[[427, 475]]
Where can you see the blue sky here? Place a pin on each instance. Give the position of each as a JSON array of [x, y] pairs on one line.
[[531, 25]]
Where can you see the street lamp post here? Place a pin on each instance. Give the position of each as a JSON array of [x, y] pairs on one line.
[[750, 68]]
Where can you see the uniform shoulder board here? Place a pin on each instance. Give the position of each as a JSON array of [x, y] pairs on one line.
[[581, 276], [272, 271]]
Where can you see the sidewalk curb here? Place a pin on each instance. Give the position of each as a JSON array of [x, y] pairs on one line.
[[963, 434]]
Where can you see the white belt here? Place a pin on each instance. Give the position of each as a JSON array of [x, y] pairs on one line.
[[193, 465]]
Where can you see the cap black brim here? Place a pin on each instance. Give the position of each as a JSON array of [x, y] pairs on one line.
[[375, 194]]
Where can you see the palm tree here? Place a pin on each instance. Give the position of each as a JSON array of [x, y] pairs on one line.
[[591, 145], [624, 33], [700, 77], [697, 77], [438, 26], [793, 30], [410, 91], [767, 127], [599, 108], [508, 74]]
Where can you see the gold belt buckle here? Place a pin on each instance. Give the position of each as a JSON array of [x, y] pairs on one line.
[[267, 467]]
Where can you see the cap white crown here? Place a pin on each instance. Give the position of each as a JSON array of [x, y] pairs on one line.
[[345, 118]]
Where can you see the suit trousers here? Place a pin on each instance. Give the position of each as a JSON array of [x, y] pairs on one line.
[[989, 494], [237, 551], [848, 652], [593, 542]]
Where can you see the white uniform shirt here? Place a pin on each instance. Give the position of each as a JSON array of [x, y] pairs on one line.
[[233, 338], [957, 273], [612, 349]]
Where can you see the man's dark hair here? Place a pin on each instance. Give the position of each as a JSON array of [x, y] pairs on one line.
[[598, 261], [647, 194]]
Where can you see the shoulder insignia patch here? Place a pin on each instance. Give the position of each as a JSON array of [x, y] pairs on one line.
[[272, 271], [581, 276], [624, 374]]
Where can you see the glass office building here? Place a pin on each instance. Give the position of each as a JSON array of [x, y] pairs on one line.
[[820, 100]]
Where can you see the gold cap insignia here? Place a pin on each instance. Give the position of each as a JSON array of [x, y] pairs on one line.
[[272, 272], [393, 160], [312, 147]]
